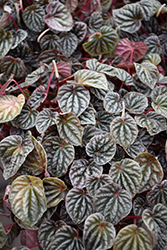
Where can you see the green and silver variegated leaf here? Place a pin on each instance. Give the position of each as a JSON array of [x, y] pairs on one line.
[[153, 122], [20, 248], [34, 75], [124, 130], [156, 220], [152, 172], [147, 9], [3, 235], [94, 65], [158, 194], [66, 238], [157, 91], [136, 148], [112, 102], [69, 43], [60, 154], [139, 205], [58, 17], [129, 17], [10, 107], [98, 234], [79, 204], [141, 87], [88, 116], [147, 73], [26, 119], [95, 22], [69, 128], [6, 41], [36, 161], [145, 138], [13, 152], [73, 98], [55, 190], [108, 201], [124, 76], [160, 105], [81, 169], [45, 119], [103, 120], [11, 65], [50, 41], [27, 199], [153, 44], [90, 78], [80, 30], [100, 93], [102, 148], [93, 183], [126, 173], [119, 155], [37, 97], [33, 17], [133, 237], [89, 132], [47, 231], [18, 36], [153, 58], [135, 102], [102, 42]]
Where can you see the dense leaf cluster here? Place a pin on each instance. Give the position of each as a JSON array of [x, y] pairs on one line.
[[83, 109]]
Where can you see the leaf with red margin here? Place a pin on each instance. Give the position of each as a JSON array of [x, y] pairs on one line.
[[130, 52]]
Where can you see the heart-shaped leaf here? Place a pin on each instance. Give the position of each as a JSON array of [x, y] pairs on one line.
[[80, 30], [153, 58], [49, 42], [153, 44], [157, 91], [27, 199], [69, 128], [102, 148], [136, 148], [112, 102], [60, 155], [158, 194], [98, 234], [89, 132], [18, 36], [28, 237], [63, 69], [58, 17], [45, 119], [139, 205], [10, 107], [147, 73], [34, 75], [124, 130], [6, 40], [91, 79], [108, 201], [54, 190], [160, 105], [47, 231], [88, 116], [36, 161], [79, 204], [147, 9], [127, 174], [133, 237], [152, 172], [37, 97], [11, 65], [129, 17], [130, 52], [156, 220], [33, 17], [124, 76], [66, 237], [69, 43], [135, 102], [13, 152], [93, 183], [26, 119], [94, 65], [102, 42], [153, 122], [73, 98], [3, 235], [81, 170]]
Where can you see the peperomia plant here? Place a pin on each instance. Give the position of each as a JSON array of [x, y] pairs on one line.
[[83, 109]]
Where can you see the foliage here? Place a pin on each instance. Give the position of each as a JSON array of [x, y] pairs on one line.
[[83, 121]]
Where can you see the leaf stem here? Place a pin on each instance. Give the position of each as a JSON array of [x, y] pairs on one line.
[[13, 21], [145, 32], [1, 169], [20, 89], [133, 217], [42, 34], [50, 79], [82, 8], [37, 245], [113, 3], [2, 136], [148, 111], [123, 110]]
